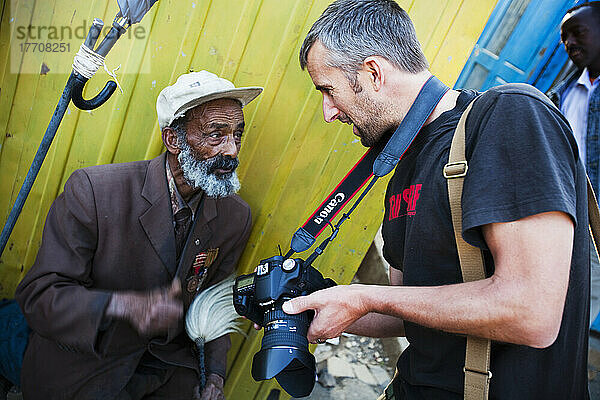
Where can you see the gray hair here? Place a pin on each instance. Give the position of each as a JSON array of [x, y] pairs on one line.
[[178, 125], [355, 29]]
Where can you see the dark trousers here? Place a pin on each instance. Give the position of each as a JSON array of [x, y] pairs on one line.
[[158, 381]]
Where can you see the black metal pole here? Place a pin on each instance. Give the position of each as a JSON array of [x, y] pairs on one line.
[[57, 117]]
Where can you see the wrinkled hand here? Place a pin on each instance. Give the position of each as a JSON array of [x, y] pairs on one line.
[[335, 309], [212, 391], [150, 313]]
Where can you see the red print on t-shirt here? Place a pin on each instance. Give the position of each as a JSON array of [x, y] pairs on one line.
[[408, 198]]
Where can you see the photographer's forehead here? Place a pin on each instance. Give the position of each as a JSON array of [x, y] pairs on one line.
[[321, 74]]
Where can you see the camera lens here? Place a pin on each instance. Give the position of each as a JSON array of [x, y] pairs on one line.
[[284, 353], [282, 328]]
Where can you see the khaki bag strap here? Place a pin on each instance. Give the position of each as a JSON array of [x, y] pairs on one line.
[[477, 358]]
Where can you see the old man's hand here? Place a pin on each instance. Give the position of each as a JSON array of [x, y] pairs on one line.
[[335, 309], [212, 391], [150, 313]]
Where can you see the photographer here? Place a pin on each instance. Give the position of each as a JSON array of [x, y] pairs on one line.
[[523, 203]]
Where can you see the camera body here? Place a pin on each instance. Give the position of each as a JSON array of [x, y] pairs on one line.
[[259, 297], [275, 281]]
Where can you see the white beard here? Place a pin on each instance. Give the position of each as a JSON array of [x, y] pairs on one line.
[[196, 173]]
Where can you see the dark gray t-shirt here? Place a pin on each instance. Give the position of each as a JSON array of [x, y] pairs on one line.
[[523, 160]]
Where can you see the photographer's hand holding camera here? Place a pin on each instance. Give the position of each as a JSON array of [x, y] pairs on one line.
[[335, 309]]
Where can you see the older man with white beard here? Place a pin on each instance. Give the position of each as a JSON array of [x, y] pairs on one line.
[[125, 249]]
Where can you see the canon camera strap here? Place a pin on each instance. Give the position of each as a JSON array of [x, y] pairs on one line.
[[374, 163]]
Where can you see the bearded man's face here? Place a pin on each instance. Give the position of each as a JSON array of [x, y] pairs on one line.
[[210, 145]]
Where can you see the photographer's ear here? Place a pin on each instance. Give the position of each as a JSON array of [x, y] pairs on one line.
[[169, 138], [374, 69]]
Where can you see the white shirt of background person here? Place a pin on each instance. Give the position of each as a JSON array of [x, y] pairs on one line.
[[575, 108]]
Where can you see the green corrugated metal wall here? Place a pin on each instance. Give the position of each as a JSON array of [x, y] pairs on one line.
[[290, 158]]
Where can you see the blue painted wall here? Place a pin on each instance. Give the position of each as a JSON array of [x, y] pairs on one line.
[[520, 43]]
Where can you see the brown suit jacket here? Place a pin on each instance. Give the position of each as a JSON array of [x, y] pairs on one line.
[[111, 229]]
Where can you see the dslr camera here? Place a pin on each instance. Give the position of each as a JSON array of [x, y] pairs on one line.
[[284, 350]]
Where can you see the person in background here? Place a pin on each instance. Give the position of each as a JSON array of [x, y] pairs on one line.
[[577, 96]]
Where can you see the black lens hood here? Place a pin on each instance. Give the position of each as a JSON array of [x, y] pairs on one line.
[[294, 369]]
